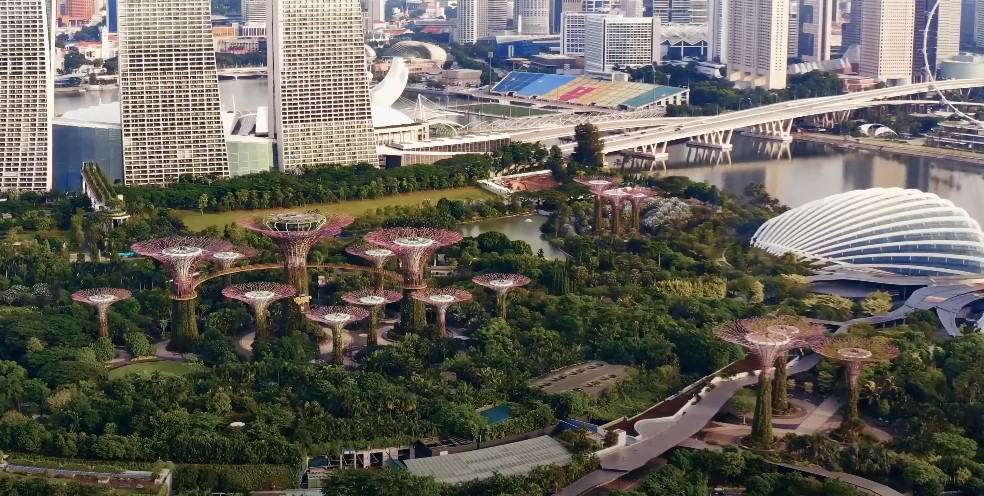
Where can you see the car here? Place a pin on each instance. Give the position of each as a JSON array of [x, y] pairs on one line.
[[678, 128], [718, 490]]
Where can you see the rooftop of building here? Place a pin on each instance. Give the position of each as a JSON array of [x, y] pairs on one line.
[[584, 91], [507, 459]]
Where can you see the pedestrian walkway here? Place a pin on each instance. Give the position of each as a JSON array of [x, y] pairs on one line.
[[820, 416]]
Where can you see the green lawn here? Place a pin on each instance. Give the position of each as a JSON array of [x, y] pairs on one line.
[[164, 367], [197, 222]]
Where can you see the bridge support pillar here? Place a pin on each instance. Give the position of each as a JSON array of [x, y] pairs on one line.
[[652, 151], [717, 140], [774, 131], [829, 119]]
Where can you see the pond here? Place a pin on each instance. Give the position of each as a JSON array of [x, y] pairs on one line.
[[520, 228]]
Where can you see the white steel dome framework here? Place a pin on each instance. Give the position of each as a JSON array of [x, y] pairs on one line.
[[901, 231]]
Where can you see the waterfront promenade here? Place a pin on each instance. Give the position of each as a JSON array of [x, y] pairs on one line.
[[909, 148]]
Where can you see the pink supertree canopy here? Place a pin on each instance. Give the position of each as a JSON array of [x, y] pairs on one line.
[[182, 255], [236, 254], [296, 232], [374, 300], [101, 299], [374, 254], [637, 196], [597, 184], [441, 299], [259, 296], [501, 284], [337, 317], [762, 340], [413, 246]]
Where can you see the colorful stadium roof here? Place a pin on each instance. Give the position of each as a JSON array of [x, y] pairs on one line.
[[585, 91]]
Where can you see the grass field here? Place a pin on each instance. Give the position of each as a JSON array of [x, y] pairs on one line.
[[197, 222], [500, 110], [164, 367]]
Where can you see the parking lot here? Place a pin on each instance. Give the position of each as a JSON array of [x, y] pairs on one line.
[[593, 378]]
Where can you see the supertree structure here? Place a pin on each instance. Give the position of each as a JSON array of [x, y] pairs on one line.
[[597, 185], [854, 352], [413, 247], [766, 342], [617, 197], [801, 328], [226, 259], [259, 296], [374, 300], [637, 196], [101, 299], [378, 256], [183, 256], [295, 233], [502, 284], [337, 317], [441, 299]]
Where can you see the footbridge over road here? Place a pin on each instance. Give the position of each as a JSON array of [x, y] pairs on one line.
[[772, 122]]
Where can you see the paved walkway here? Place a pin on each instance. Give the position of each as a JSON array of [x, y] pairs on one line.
[[820, 416], [161, 351]]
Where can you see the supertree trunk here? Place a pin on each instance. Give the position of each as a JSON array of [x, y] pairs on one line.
[[851, 420], [780, 393], [636, 216], [378, 273], [616, 220], [761, 435], [297, 276], [184, 331], [442, 322], [501, 297], [103, 321], [413, 315], [597, 215], [262, 321], [336, 346], [373, 338]]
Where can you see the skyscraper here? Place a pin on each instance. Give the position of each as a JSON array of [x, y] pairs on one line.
[[968, 14], [942, 35], [852, 28], [496, 17], [470, 23], [717, 31], [886, 40], [533, 16], [794, 29], [816, 22], [169, 92], [254, 10], [26, 94], [681, 11], [316, 63], [377, 11], [615, 40], [758, 42]]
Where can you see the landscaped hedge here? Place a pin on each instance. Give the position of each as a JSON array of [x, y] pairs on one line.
[[235, 478]]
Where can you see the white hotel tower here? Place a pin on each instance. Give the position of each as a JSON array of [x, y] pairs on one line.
[[169, 92], [316, 63], [26, 94]]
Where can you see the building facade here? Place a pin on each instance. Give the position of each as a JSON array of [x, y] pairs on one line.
[[941, 35], [758, 42], [886, 40], [497, 15], [26, 95], [794, 29], [717, 31], [254, 11], [316, 64], [615, 40], [572, 33], [470, 24], [533, 16], [816, 23], [169, 92]]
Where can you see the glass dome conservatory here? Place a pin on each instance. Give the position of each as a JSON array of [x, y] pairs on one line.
[[901, 231]]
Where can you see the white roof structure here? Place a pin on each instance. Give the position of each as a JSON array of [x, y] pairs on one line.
[[416, 50], [386, 93], [876, 130], [894, 230], [508, 459]]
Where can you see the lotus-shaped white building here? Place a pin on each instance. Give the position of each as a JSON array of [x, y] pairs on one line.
[[895, 230]]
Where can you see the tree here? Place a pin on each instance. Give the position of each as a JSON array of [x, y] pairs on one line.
[[877, 303], [589, 150], [138, 345], [743, 403], [672, 481], [379, 483]]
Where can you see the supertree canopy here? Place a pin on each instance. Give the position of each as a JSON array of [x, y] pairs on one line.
[[101, 299], [617, 197], [183, 256], [502, 284], [799, 327], [597, 185], [259, 296], [337, 318], [441, 299], [378, 256], [295, 233], [766, 342], [413, 247], [374, 300], [854, 352], [226, 259], [637, 196]]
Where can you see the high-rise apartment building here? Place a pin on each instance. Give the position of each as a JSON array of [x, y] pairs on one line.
[[633, 8], [377, 11], [598, 6], [497, 15], [254, 10], [470, 23], [26, 94], [816, 23], [792, 50], [886, 40], [316, 64], [572, 33], [169, 92], [558, 9], [942, 36], [968, 14], [758, 42], [78, 9], [717, 30], [616, 40], [852, 28], [533, 16]]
